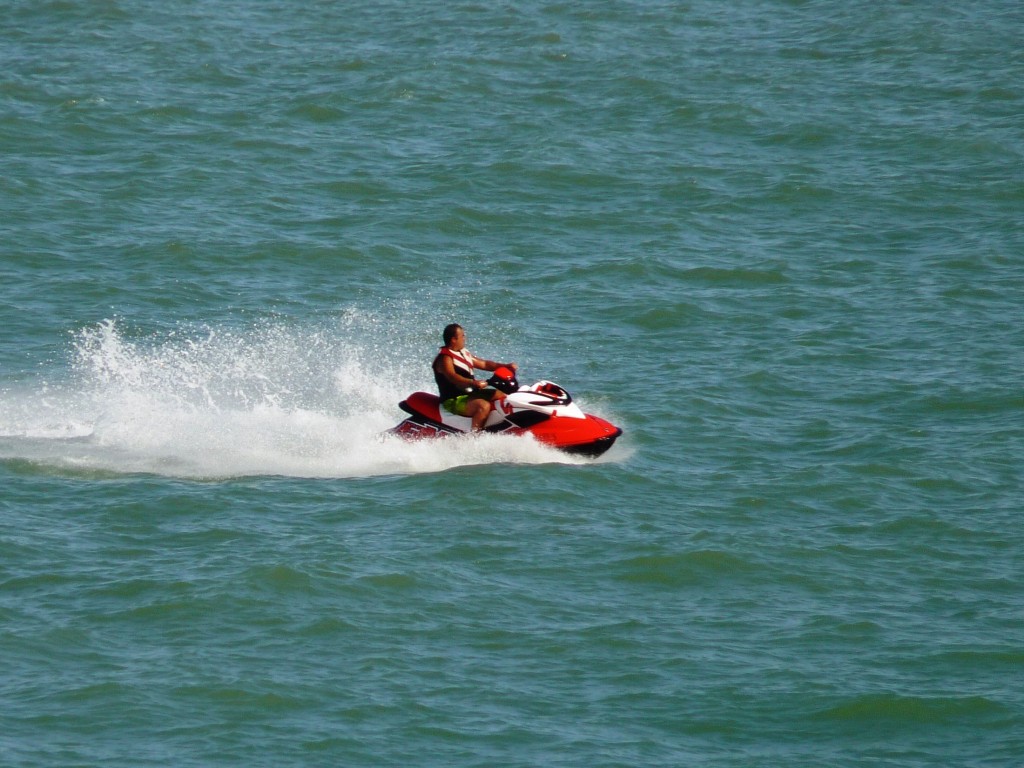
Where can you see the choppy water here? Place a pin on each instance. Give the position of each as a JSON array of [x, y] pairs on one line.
[[780, 243]]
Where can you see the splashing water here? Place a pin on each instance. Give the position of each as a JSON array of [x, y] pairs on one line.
[[219, 403]]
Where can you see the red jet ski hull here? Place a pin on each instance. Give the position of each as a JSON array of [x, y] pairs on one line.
[[588, 435]]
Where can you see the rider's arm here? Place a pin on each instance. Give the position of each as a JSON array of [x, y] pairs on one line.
[[490, 365]]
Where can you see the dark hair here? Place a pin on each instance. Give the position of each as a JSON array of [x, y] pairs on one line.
[[449, 332]]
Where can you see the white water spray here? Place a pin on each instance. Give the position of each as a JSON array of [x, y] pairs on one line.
[[272, 399]]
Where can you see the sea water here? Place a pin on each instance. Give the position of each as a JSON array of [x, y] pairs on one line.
[[780, 243]]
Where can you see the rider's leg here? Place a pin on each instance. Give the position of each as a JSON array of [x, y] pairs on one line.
[[478, 409]]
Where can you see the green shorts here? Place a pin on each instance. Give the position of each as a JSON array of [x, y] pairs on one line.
[[456, 405]]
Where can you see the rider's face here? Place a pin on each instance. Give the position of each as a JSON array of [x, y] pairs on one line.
[[459, 340]]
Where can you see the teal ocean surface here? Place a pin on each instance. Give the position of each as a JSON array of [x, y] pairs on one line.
[[779, 242]]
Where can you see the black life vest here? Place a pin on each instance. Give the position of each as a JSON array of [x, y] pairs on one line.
[[463, 362]]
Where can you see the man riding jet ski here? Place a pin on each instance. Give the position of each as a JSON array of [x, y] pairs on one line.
[[461, 393], [544, 409]]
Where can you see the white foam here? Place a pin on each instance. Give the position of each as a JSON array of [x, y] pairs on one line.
[[217, 403]]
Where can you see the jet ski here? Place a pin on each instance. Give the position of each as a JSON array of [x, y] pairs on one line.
[[544, 410]]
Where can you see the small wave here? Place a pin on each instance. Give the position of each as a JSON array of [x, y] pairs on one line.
[[683, 568], [891, 707]]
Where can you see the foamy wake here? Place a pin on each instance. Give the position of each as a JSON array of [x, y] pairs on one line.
[[221, 403]]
